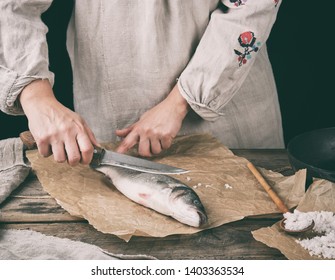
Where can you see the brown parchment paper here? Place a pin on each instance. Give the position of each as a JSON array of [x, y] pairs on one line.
[[320, 196], [224, 184]]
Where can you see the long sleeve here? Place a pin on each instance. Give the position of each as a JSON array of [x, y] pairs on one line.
[[226, 53], [23, 49]]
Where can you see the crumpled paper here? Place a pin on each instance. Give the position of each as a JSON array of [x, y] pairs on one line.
[[320, 196], [226, 187]]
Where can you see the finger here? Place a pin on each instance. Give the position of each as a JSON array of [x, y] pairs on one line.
[[85, 147], [144, 147], [91, 135], [127, 143], [166, 142], [156, 147], [44, 150], [59, 152], [124, 132], [72, 151], [43, 146]]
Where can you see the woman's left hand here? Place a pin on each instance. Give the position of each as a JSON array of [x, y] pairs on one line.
[[156, 128]]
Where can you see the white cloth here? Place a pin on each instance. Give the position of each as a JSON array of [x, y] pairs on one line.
[[13, 167], [127, 54], [32, 245]]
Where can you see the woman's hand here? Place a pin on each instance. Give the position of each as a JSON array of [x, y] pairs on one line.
[[57, 130], [157, 127]]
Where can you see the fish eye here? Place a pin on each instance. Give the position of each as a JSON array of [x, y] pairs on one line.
[[196, 202]]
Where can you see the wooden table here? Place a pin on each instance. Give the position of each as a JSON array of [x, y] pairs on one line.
[[29, 207]]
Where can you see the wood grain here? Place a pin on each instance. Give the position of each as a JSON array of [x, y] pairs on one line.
[[230, 241], [30, 207], [276, 199]]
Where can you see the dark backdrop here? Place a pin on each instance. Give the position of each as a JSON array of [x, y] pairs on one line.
[[300, 49]]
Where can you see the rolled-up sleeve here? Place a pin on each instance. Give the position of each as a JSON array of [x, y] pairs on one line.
[[226, 53], [23, 49]]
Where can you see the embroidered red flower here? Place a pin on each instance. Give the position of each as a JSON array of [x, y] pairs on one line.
[[247, 41]]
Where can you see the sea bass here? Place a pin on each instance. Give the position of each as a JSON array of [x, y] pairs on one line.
[[161, 193]]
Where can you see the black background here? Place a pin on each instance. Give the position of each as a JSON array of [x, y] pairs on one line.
[[300, 49]]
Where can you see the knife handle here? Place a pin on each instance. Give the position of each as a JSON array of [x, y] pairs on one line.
[[97, 156], [28, 140]]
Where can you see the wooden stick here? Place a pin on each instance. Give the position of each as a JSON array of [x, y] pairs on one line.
[[280, 204]]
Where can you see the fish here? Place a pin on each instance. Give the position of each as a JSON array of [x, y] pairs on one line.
[[159, 192]]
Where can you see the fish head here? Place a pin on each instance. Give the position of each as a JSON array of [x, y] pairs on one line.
[[187, 207]]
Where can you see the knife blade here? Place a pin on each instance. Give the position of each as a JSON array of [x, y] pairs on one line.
[[106, 157]]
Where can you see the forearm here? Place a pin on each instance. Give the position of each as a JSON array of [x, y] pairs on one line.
[[23, 49], [225, 55], [176, 100], [38, 95]]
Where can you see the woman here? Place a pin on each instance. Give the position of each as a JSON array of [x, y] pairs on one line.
[[145, 71]]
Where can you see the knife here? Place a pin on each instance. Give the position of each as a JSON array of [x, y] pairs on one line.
[[106, 157]]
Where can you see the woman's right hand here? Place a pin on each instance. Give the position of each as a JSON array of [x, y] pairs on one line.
[[57, 130]]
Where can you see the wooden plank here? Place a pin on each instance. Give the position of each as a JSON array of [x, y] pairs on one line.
[[230, 241], [272, 159], [30, 207], [30, 203], [33, 209], [30, 187]]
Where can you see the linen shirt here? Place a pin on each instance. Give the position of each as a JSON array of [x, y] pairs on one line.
[[127, 55]]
